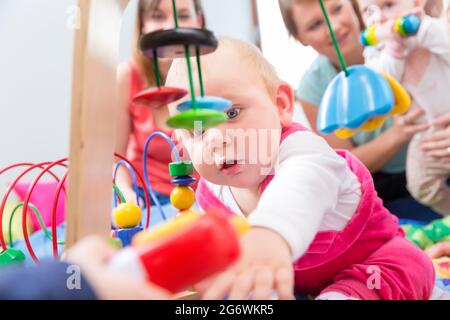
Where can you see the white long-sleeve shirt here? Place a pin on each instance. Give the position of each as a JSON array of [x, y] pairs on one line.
[[425, 71], [313, 190]]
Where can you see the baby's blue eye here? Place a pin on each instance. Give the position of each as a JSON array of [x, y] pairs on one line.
[[233, 113]]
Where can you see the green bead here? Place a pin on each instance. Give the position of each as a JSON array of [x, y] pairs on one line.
[[180, 169], [197, 119], [11, 256]]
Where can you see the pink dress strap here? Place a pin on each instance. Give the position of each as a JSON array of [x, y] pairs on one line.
[[207, 200]]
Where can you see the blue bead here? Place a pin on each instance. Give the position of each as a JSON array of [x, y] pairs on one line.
[[183, 181], [126, 235], [362, 39], [214, 103], [411, 24]]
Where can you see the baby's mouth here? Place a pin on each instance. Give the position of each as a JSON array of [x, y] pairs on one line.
[[229, 164]]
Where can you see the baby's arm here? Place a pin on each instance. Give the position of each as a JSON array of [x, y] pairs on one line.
[[285, 222], [305, 186], [433, 36], [384, 61]]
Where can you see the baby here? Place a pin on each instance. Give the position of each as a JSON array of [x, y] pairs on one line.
[[422, 64], [317, 223]]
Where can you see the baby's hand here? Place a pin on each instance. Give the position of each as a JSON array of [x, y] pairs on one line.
[[265, 267]]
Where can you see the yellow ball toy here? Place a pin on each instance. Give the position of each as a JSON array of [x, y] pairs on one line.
[[182, 198], [127, 215]]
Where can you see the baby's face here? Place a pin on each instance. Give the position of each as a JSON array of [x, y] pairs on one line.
[[374, 11], [243, 150]]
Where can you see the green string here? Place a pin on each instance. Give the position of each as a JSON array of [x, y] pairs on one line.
[[47, 233], [119, 193], [191, 80], [156, 68], [188, 58], [200, 76], [175, 14], [333, 37]]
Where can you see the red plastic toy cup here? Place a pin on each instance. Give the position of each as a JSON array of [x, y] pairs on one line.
[[206, 246]]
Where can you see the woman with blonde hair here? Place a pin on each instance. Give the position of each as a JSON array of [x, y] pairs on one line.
[[383, 151]]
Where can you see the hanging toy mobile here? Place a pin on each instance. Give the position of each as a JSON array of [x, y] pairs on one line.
[[175, 43], [206, 111], [358, 98]]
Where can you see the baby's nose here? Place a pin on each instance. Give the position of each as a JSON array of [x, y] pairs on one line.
[[217, 140]]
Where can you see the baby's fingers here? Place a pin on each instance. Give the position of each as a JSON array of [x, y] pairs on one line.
[[284, 283], [242, 286], [264, 284], [220, 287]]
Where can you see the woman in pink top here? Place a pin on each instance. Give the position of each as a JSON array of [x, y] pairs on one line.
[[136, 122]]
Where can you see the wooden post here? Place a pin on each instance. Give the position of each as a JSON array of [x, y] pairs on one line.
[[93, 119]]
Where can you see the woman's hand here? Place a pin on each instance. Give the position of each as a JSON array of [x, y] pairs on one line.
[[405, 126], [437, 145], [92, 255], [439, 250]]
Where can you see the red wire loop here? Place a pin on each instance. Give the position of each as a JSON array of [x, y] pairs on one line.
[[31, 166]]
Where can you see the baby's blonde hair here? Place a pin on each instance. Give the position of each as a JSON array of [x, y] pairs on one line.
[[245, 52]]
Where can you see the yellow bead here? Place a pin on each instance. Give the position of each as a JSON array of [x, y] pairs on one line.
[[371, 36], [127, 215], [182, 198]]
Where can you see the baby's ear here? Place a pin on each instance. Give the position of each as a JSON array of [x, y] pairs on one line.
[[285, 103]]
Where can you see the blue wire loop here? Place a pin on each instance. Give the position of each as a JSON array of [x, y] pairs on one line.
[[147, 180], [132, 175]]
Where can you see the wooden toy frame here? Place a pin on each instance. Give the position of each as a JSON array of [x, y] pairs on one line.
[[93, 118]]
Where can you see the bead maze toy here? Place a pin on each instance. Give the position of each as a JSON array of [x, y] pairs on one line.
[[406, 26], [358, 98]]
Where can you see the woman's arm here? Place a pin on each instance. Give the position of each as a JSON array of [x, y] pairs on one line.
[[123, 129], [377, 153], [437, 145]]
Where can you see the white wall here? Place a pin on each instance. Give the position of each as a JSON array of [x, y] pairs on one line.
[[224, 17], [289, 57], [36, 71], [35, 80]]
